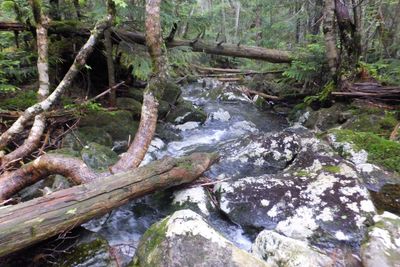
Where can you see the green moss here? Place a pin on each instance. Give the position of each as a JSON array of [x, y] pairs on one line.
[[380, 150], [21, 101], [303, 173], [331, 169]]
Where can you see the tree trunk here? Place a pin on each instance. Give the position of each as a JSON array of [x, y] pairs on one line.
[[80, 60], [154, 90], [330, 40], [27, 223]]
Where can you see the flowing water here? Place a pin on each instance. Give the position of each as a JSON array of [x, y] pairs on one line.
[[231, 117]]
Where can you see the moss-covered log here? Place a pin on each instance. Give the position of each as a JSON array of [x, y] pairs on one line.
[[41, 218]]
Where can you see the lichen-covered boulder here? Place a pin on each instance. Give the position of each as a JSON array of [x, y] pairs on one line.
[[184, 112], [118, 124], [318, 196], [98, 157], [279, 250], [185, 239], [382, 246]]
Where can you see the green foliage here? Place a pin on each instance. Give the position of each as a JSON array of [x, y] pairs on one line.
[[321, 96], [181, 57], [86, 106], [308, 65], [20, 101], [380, 150], [385, 70]]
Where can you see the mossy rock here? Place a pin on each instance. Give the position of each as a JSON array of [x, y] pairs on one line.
[[376, 121], [130, 104], [87, 135], [184, 112], [118, 124], [65, 151], [91, 250], [136, 93], [98, 156], [171, 92], [380, 150]]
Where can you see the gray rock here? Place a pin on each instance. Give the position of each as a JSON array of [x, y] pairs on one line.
[[98, 157], [326, 118], [382, 247], [171, 93], [195, 199], [318, 196], [279, 250], [185, 239]]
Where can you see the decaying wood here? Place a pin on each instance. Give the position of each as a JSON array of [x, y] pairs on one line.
[[263, 95], [27, 223], [370, 90]]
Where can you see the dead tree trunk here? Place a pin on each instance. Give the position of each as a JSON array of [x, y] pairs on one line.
[[80, 60], [155, 88], [30, 222]]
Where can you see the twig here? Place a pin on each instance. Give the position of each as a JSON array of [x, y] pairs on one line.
[[104, 93], [395, 132]]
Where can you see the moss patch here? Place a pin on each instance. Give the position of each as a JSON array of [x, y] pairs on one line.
[[331, 169], [380, 150]]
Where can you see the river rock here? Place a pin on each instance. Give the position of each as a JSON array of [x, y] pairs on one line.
[[382, 247], [195, 199], [279, 250], [185, 239], [184, 112], [319, 196]]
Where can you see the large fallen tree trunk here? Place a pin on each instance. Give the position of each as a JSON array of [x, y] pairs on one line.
[[41, 218], [233, 50]]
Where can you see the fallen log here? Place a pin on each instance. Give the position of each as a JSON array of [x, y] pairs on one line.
[[73, 28], [27, 223]]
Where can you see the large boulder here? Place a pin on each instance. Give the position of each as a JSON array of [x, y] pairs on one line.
[[195, 198], [382, 247], [185, 239], [118, 124], [279, 250], [318, 197]]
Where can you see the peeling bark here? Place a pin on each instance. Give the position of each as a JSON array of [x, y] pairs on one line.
[[80, 60]]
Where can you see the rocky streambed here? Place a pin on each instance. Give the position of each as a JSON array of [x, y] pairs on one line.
[[281, 194]]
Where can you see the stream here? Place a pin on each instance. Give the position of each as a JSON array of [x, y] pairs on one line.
[[231, 117]]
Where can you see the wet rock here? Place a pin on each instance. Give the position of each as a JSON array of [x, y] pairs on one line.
[[195, 199], [85, 135], [382, 247], [171, 93], [190, 125], [184, 112], [98, 157], [279, 250], [118, 124], [163, 109], [319, 196], [185, 239], [166, 131], [326, 118], [220, 115], [388, 198], [130, 104], [90, 250]]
